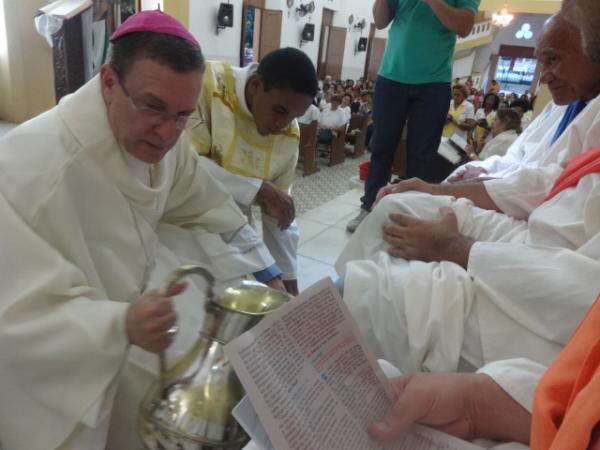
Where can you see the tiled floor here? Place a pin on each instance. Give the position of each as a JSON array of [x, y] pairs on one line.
[[323, 235], [5, 127]]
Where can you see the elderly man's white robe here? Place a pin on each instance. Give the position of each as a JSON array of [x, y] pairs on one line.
[[519, 192], [526, 173], [527, 285], [80, 238], [527, 149]]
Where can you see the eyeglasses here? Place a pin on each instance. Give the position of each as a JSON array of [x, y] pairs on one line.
[[157, 117]]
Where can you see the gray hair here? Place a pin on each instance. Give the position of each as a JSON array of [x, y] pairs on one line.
[[510, 118], [587, 14]]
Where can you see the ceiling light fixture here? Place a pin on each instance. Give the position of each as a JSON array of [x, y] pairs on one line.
[[503, 18]]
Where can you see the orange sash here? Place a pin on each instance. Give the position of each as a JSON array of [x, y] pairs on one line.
[[582, 165], [567, 400]]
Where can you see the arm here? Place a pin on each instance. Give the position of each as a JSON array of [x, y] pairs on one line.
[[468, 121], [468, 406], [476, 192], [283, 245], [460, 21], [274, 196], [383, 14], [248, 243], [519, 193], [243, 189], [276, 203]]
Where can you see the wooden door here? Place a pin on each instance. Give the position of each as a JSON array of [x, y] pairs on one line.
[[255, 3], [377, 50], [335, 52], [326, 23], [369, 50], [270, 32]]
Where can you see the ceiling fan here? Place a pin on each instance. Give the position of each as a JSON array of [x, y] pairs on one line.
[[305, 9]]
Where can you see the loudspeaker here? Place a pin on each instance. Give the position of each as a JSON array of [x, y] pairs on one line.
[[225, 15], [308, 32], [362, 44]]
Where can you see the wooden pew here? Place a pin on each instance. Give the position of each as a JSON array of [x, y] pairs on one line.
[[358, 122], [308, 147]]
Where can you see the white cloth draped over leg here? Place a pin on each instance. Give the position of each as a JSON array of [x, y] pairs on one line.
[[428, 316]]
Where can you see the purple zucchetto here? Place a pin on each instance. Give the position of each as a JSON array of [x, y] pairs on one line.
[[154, 22]]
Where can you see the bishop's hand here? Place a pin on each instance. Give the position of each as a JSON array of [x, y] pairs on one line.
[[149, 318]]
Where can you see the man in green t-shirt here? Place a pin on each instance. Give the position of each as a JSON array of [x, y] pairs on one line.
[[413, 85]]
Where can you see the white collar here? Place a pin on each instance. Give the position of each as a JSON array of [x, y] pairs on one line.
[[241, 76], [139, 168]]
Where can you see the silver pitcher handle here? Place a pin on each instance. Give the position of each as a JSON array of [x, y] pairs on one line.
[[177, 275]]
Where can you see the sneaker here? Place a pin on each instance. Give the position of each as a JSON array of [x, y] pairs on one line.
[[354, 223]]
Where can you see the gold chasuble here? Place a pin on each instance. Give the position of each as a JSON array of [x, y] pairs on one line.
[[230, 138]]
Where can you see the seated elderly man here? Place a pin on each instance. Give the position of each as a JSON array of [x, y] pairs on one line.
[[497, 403], [573, 80], [86, 192], [440, 282]]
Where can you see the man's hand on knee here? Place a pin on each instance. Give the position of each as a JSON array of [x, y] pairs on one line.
[[413, 184], [427, 240]]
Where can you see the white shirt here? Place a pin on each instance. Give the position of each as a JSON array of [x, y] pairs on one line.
[[480, 114], [333, 119], [312, 113], [469, 113], [348, 111], [324, 104], [499, 144]]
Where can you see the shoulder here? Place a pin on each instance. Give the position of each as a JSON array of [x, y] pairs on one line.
[[471, 5], [34, 159]]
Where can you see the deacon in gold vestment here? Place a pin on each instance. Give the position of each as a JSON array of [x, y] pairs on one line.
[[251, 139]]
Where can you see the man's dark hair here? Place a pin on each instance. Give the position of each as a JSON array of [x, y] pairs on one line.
[[289, 68], [176, 53], [521, 103], [496, 100]]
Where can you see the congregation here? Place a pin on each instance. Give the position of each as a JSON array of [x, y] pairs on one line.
[[477, 277]]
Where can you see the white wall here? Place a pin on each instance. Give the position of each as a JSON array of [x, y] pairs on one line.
[[227, 44], [203, 23], [463, 67], [506, 36]]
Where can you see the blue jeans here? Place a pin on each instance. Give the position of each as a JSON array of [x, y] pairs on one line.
[[425, 107]]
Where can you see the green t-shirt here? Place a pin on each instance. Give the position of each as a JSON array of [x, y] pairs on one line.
[[420, 48]]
